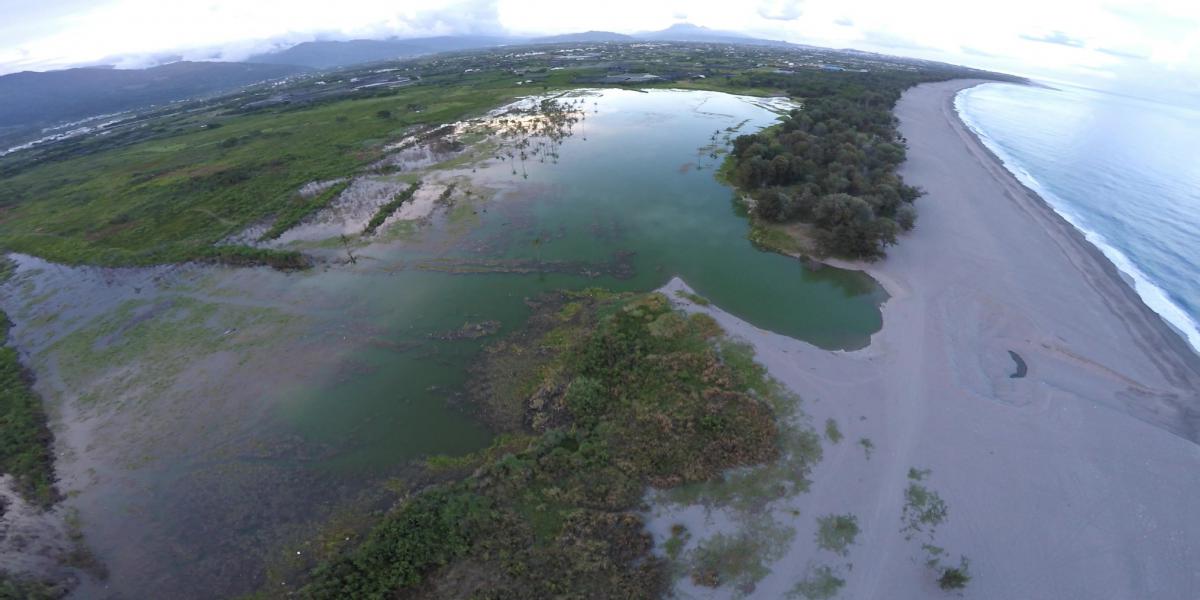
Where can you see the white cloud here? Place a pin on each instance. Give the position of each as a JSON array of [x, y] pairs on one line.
[[1088, 36], [780, 10], [227, 28]]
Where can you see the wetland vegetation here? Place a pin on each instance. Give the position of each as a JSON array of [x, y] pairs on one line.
[[597, 396], [173, 195], [619, 392], [386, 210], [26, 444]]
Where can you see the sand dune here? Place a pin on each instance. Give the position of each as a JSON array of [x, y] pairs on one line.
[[1078, 480]]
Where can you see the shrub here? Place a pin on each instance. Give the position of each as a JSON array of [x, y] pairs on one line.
[[955, 578], [836, 532]]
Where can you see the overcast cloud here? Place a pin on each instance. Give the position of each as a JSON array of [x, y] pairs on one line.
[[1152, 44]]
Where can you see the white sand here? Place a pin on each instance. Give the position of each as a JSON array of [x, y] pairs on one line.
[[1080, 480]]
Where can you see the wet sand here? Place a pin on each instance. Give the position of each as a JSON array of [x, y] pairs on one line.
[[1077, 480]]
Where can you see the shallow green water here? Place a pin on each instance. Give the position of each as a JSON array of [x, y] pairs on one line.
[[631, 182], [359, 385]]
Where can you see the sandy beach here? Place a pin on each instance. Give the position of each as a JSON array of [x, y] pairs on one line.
[[1077, 480]]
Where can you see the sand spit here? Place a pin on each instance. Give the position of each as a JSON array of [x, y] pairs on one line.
[[1077, 480]]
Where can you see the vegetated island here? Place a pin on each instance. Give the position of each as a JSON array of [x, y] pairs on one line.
[[600, 396]]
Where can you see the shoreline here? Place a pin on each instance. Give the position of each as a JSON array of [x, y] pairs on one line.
[[1153, 333], [1131, 273], [1150, 331], [1076, 480]]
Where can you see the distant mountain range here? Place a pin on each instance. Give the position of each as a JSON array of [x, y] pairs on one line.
[[30, 98], [584, 37], [686, 32], [334, 54]]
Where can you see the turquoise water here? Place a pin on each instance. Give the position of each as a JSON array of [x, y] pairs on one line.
[[1123, 170], [630, 202]]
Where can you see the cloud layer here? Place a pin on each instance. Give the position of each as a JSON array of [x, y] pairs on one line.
[[780, 10], [1149, 42], [1054, 37]]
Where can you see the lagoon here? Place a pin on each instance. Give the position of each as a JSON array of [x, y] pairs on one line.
[[212, 418]]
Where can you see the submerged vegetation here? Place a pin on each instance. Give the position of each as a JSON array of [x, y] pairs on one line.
[[392, 206], [25, 588], [294, 211], [25, 440], [622, 392], [250, 256], [740, 558]]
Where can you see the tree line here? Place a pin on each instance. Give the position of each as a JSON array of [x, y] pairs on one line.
[[832, 162]]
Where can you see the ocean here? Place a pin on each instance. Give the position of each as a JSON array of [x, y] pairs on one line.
[[1125, 171]]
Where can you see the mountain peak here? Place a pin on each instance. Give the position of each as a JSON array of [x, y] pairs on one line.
[[685, 26], [690, 32]]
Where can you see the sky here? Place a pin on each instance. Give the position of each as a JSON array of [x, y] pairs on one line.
[[1152, 45]]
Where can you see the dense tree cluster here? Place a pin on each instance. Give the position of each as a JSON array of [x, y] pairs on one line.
[[832, 163]]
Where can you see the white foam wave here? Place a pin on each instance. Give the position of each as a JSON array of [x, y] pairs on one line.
[[1151, 294]]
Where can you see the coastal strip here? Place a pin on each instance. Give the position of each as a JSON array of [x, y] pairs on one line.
[[1076, 480], [1083, 299], [1151, 292]]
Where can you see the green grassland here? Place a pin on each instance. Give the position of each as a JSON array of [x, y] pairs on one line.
[[177, 181], [207, 175]]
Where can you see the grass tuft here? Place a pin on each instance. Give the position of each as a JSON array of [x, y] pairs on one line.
[[836, 533], [821, 583], [832, 433]]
